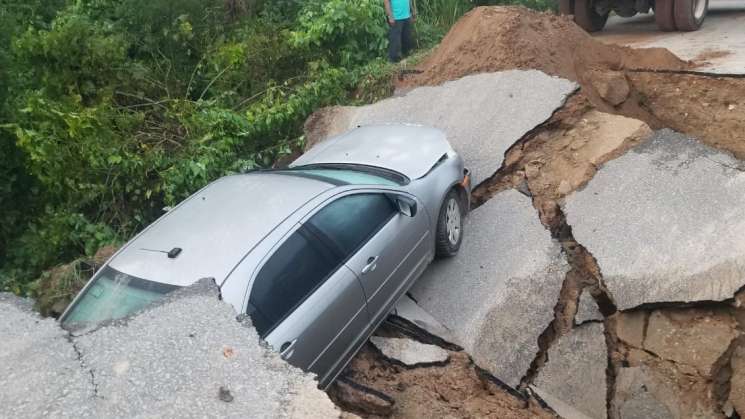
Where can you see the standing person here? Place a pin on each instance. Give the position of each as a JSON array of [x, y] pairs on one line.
[[401, 16]]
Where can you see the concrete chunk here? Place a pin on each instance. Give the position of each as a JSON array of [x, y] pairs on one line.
[[587, 309], [40, 373], [575, 371], [409, 352], [498, 295], [494, 110], [411, 311], [635, 397], [187, 356], [665, 222]]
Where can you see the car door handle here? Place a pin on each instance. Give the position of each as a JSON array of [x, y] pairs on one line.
[[372, 263], [287, 349]]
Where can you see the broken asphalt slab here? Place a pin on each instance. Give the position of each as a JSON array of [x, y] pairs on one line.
[[409, 310], [40, 371], [410, 352], [185, 357], [677, 363], [575, 371], [498, 295], [665, 222], [492, 113]]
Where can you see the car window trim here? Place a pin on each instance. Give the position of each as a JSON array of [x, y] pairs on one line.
[[321, 240], [320, 178], [396, 177]]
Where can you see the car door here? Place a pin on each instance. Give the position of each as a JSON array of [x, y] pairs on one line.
[[385, 248], [307, 304]]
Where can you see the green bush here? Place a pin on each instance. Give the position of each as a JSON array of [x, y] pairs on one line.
[[112, 110], [344, 32]]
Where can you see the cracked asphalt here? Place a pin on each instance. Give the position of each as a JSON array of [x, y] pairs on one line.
[[185, 357], [601, 275]]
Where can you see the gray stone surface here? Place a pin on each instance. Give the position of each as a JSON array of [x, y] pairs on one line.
[[409, 352], [411, 311], [498, 294], [587, 309], [171, 360], [40, 373], [635, 396], [494, 110], [666, 222], [564, 410], [575, 371]]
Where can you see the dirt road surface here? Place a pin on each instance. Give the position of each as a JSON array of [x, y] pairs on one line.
[[719, 47]]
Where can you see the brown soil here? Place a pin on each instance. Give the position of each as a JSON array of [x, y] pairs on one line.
[[645, 84], [624, 94], [56, 287], [455, 390], [709, 108], [709, 54], [502, 38]]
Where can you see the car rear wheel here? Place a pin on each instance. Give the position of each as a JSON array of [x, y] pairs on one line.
[[690, 14], [587, 16], [449, 226], [663, 15], [566, 7]]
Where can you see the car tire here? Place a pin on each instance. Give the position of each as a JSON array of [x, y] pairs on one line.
[[449, 234], [663, 15], [690, 14], [566, 7], [587, 17]]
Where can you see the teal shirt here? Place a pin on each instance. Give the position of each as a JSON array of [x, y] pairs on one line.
[[401, 9]]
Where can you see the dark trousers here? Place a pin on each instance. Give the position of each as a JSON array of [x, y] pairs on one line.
[[399, 40]]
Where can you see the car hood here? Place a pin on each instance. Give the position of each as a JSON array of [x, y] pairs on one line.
[[411, 150]]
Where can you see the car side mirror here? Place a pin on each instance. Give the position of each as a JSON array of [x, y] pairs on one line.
[[406, 205]]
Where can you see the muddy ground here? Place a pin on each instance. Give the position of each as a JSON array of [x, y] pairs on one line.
[[688, 355]]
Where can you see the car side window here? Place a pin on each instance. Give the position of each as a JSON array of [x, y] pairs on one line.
[[350, 221], [313, 253], [299, 265]]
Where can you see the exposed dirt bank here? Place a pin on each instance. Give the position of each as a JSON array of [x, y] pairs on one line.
[[651, 85], [457, 389], [501, 38]]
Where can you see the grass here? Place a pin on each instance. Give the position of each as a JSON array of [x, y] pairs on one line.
[[442, 13]]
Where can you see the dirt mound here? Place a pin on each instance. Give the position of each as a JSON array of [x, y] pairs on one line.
[[491, 39]]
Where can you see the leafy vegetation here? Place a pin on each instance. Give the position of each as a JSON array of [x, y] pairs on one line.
[[111, 110]]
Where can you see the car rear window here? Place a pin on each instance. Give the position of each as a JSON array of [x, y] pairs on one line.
[[113, 295]]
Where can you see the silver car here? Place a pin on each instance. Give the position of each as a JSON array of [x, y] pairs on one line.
[[317, 254]]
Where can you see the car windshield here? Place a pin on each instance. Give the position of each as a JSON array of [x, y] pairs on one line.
[[113, 295], [352, 174]]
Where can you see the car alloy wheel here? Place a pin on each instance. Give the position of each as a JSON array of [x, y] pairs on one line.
[[453, 220]]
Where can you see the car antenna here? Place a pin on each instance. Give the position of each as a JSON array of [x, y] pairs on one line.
[[172, 254]]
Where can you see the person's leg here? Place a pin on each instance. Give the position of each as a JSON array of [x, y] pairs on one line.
[[394, 41], [406, 38]]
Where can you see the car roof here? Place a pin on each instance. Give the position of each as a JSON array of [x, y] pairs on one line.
[[408, 149], [216, 227]]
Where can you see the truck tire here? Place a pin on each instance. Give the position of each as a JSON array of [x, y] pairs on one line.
[[663, 15], [587, 17], [690, 14], [566, 7]]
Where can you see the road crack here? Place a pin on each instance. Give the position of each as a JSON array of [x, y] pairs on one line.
[[80, 357]]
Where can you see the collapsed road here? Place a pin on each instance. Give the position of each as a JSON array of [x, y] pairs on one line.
[[187, 356], [601, 274], [602, 266]]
